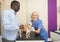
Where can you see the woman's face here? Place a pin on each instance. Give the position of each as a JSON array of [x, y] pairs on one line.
[[34, 16]]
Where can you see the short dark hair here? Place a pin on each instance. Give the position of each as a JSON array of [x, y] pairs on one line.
[[14, 2]]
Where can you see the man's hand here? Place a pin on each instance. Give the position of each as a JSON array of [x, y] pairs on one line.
[[37, 31]]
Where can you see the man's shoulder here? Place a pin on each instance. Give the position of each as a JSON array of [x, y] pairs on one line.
[[6, 12]]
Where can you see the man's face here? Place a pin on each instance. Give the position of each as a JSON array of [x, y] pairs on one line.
[[16, 7], [34, 16]]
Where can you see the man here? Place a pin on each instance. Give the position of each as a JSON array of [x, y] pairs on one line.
[[10, 23], [38, 26]]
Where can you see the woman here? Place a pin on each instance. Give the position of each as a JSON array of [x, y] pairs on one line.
[[38, 26]]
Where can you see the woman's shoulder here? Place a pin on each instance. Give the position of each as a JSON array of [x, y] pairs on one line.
[[39, 20]]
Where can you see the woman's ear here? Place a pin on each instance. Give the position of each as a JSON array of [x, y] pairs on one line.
[[38, 16]]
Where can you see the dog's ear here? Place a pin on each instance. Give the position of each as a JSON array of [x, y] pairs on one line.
[[22, 27]]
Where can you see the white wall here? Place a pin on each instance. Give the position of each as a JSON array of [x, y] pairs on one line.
[[22, 13], [58, 14], [5, 4]]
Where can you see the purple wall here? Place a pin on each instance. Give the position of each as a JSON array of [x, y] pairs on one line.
[[52, 16]]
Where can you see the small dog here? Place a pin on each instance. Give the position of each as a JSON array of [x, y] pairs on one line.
[[21, 29], [29, 29]]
